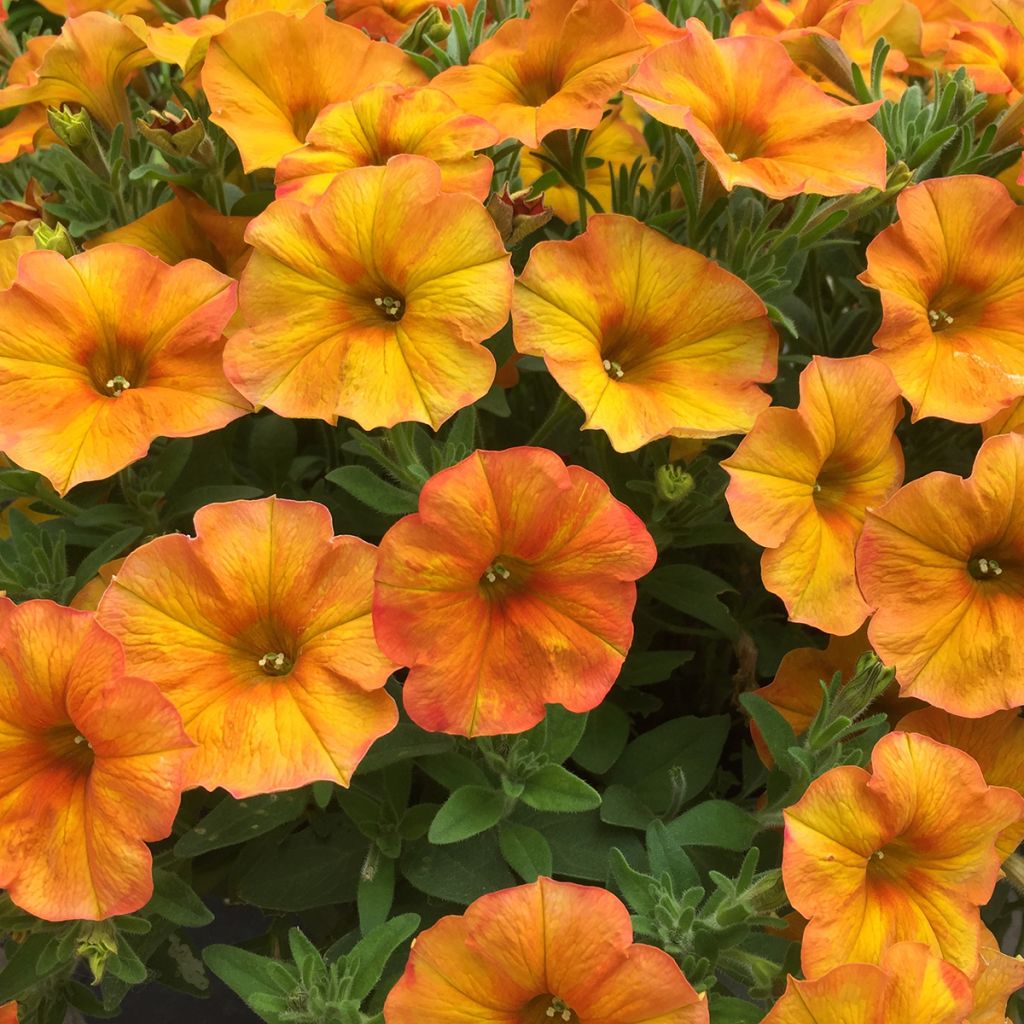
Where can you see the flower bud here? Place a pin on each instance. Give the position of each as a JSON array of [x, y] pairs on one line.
[[56, 239], [73, 128], [517, 216], [176, 136], [97, 944], [20, 217], [672, 483], [430, 26]]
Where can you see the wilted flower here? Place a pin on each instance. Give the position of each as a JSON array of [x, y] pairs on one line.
[[511, 588], [91, 766], [259, 632], [650, 338], [548, 951]]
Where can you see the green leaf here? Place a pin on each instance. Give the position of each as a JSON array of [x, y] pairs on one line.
[[667, 857], [454, 770], [691, 745], [727, 1010], [469, 811], [234, 821], [174, 900], [621, 806], [375, 895], [777, 733], [564, 731], [371, 954], [367, 487], [19, 974], [525, 850], [714, 823], [459, 873], [554, 788], [603, 740], [637, 889], [647, 667], [248, 974], [581, 843], [405, 742], [694, 591]]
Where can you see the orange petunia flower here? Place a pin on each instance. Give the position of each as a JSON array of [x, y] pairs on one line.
[[942, 564], [998, 978], [758, 120], [1008, 420], [547, 951], [30, 129], [796, 692], [951, 277], [357, 322], [76, 8], [186, 228], [993, 56], [906, 852], [103, 353], [258, 630], [616, 142], [90, 64], [91, 763], [910, 987], [381, 123], [650, 338], [996, 742], [267, 78], [388, 19], [801, 480], [651, 23], [556, 69], [511, 588]]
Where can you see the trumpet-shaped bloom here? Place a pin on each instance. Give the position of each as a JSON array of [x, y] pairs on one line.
[[996, 742], [993, 56], [758, 120], [356, 321], [556, 69], [90, 64], [511, 588], [381, 123], [906, 852], [910, 987], [29, 130], [1007, 421], [548, 951], [103, 353], [186, 228], [91, 764], [650, 338], [802, 479], [950, 274], [269, 76], [258, 630], [616, 142], [942, 565], [999, 977], [388, 19]]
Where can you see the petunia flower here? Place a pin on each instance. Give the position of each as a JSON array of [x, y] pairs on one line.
[[655, 28], [356, 321], [1008, 420], [556, 69], [547, 951], [942, 565], [801, 480], [102, 353], [993, 56], [996, 742], [998, 977], [91, 762], [511, 588], [258, 630], [389, 19], [29, 130], [911, 986], [650, 338], [383, 122], [950, 273], [758, 120], [90, 64], [905, 852], [613, 145], [186, 228], [268, 77]]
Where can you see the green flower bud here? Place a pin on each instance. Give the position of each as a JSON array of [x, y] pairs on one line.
[[672, 483], [56, 239], [73, 128]]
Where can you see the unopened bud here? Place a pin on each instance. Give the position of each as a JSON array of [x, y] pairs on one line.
[[430, 26], [72, 127], [672, 483], [97, 944], [176, 136], [56, 239], [516, 215]]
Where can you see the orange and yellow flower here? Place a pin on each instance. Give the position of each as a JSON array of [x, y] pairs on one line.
[[511, 588], [547, 951], [30, 129], [802, 479], [650, 338], [91, 763], [906, 852], [758, 120], [1008, 420], [556, 69], [910, 987], [383, 122], [268, 77], [993, 56], [942, 565], [998, 978], [950, 274], [90, 64], [102, 353], [388, 19], [11, 250], [616, 142], [258, 630], [357, 322]]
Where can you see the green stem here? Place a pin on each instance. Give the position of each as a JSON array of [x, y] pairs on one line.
[[559, 410]]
